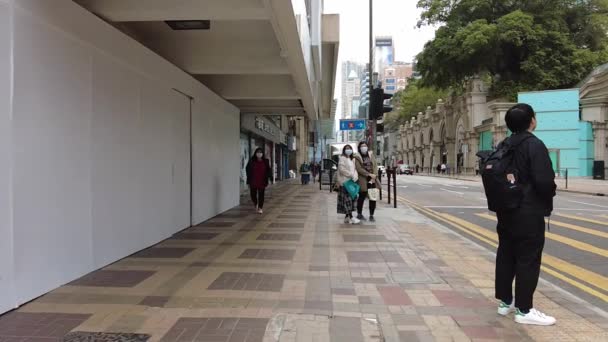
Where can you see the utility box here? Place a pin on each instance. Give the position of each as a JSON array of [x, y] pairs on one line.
[[598, 170]]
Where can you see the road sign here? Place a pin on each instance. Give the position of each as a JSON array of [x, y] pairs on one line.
[[352, 125]]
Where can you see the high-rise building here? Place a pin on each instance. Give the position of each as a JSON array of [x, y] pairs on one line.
[[396, 75], [351, 82], [384, 53], [351, 90], [352, 77]]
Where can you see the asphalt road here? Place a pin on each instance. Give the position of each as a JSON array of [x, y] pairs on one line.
[[576, 248]]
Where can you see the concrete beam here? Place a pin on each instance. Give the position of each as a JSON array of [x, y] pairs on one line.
[[244, 47], [251, 87], [231, 64], [273, 110], [160, 10]]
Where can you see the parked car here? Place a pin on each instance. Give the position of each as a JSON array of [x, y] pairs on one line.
[[405, 170]]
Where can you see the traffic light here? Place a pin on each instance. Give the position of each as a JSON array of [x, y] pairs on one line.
[[376, 106]]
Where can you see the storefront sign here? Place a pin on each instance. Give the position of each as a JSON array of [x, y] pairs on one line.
[[264, 126]]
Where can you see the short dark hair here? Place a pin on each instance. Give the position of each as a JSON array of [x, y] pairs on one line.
[[519, 117]]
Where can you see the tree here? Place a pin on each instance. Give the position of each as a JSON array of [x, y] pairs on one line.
[[409, 102], [519, 44]]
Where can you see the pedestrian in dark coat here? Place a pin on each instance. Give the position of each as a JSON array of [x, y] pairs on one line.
[[521, 232], [259, 175]]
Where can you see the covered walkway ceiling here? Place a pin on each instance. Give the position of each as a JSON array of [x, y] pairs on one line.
[[251, 54]]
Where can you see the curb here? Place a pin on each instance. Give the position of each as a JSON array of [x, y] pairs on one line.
[[598, 194]]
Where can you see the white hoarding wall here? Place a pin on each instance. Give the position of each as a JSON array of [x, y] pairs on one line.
[[95, 148]]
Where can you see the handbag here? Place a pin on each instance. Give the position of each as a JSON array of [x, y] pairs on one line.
[[352, 188], [373, 194]]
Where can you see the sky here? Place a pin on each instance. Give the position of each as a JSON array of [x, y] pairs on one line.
[[396, 18], [391, 17]]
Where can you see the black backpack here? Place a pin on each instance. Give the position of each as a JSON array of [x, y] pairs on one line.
[[502, 194]]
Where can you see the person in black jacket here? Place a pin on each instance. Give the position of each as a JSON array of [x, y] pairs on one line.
[[521, 232], [259, 175]]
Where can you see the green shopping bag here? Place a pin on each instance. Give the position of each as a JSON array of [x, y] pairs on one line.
[[352, 188]]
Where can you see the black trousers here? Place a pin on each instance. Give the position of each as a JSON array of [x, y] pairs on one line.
[[521, 238], [361, 201], [257, 196]]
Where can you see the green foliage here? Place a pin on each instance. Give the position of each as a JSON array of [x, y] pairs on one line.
[[520, 44], [409, 102]]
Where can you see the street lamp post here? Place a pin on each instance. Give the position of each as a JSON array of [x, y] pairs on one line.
[[370, 69]]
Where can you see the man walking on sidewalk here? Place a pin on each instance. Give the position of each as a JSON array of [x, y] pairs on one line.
[[521, 231]]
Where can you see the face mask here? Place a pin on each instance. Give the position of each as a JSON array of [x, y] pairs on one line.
[[348, 152], [364, 150], [259, 155]]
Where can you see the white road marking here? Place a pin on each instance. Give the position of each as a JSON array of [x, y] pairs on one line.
[[454, 207], [456, 186], [578, 209], [426, 186], [485, 207], [591, 204], [455, 192], [402, 186]]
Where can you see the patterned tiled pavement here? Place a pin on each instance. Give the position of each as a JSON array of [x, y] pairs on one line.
[[297, 273]]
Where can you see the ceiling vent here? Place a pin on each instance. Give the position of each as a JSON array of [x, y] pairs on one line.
[[183, 25]]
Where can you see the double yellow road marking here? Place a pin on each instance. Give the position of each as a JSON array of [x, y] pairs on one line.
[[581, 229], [563, 270], [585, 247]]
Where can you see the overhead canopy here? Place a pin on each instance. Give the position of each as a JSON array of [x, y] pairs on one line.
[[248, 51]]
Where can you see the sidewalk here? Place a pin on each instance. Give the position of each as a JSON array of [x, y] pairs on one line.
[[575, 185], [297, 273]]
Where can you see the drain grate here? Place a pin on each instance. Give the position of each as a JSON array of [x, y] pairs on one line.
[[104, 337], [415, 277]]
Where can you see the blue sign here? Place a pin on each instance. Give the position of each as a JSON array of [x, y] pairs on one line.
[[352, 125]]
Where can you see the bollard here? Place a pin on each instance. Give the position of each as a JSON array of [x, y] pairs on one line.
[[395, 188], [388, 176], [566, 179], [321, 179], [380, 183]]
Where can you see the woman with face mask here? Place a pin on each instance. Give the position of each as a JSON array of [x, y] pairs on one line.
[[346, 172], [259, 175], [367, 170]]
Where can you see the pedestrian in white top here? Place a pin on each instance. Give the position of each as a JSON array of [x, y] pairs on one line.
[[347, 171]]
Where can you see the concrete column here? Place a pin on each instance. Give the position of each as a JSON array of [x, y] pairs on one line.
[[424, 157], [600, 135], [472, 159], [451, 149], [500, 134], [436, 156]]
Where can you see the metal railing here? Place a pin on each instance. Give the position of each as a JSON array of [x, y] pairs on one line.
[[327, 177]]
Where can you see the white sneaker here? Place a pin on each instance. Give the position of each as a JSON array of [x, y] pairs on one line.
[[260, 211], [534, 317], [505, 309], [355, 220]]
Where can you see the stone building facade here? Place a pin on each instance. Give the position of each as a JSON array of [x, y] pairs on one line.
[[449, 132], [458, 127]]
